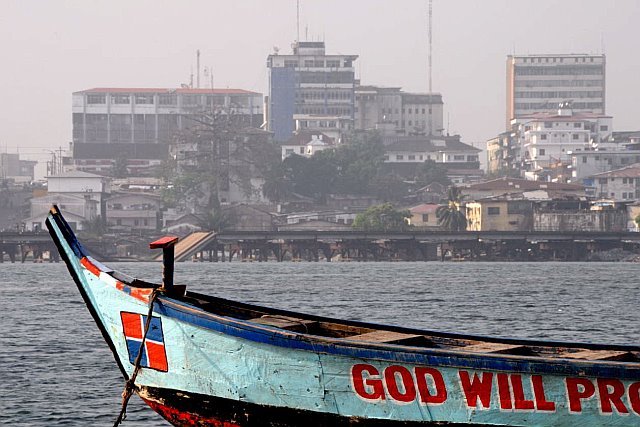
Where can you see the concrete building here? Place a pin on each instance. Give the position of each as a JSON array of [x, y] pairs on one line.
[[83, 185], [424, 216], [16, 169], [505, 185], [547, 139], [500, 213], [408, 113], [309, 83], [77, 209], [306, 144], [537, 83], [617, 185], [138, 124], [133, 212]]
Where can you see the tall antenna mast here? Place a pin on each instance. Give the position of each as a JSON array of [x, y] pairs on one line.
[[198, 68], [430, 68], [297, 21]]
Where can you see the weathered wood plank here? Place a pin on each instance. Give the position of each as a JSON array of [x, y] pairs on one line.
[[595, 355], [491, 347], [283, 322], [382, 336]]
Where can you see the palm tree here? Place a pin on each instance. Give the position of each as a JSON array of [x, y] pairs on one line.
[[450, 216]]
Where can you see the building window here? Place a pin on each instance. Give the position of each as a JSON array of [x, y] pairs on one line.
[[119, 99], [548, 124], [458, 158], [577, 125], [543, 137], [96, 99], [493, 210], [144, 99], [584, 159], [576, 136], [167, 99], [602, 180], [289, 151], [412, 157], [301, 150], [425, 217], [604, 128], [399, 157], [542, 152]]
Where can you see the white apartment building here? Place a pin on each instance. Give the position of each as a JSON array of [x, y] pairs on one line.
[[551, 138], [537, 83], [306, 144], [418, 149], [408, 113], [618, 185]]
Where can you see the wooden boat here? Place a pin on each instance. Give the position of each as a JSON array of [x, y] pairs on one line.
[[215, 362]]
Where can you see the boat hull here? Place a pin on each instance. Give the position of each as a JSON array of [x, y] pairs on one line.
[[203, 368]]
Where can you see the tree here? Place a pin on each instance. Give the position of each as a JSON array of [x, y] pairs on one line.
[[637, 220], [382, 218], [430, 172], [218, 150], [450, 216]]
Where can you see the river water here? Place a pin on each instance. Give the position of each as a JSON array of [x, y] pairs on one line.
[[55, 369]]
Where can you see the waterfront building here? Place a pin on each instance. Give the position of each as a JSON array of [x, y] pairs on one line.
[[504, 185], [618, 185], [537, 83], [133, 211], [309, 84], [408, 113], [136, 125], [424, 216]]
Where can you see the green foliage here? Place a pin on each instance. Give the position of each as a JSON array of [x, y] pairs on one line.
[[637, 220], [389, 187], [351, 168], [119, 169], [450, 216], [382, 218], [94, 228], [430, 172], [216, 220]]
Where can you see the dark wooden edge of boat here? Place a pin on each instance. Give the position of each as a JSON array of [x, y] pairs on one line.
[[353, 333]]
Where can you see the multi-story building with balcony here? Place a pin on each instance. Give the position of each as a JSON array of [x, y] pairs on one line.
[[138, 124], [537, 83], [309, 83]]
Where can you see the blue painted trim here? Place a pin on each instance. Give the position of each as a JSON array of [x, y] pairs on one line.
[[424, 356]]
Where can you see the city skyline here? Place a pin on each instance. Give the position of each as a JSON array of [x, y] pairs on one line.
[[57, 48]]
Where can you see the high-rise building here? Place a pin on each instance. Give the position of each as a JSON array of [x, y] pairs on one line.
[[407, 113], [538, 83], [309, 84], [138, 124]]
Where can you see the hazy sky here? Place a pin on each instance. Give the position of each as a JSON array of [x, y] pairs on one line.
[[53, 48]]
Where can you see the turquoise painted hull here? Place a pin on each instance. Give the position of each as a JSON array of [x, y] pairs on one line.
[[333, 380]]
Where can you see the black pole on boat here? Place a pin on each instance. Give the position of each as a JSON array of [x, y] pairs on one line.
[[167, 244]]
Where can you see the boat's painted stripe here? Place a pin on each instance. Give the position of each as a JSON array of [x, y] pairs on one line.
[[433, 357]]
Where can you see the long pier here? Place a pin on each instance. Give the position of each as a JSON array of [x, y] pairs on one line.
[[20, 245], [410, 246]]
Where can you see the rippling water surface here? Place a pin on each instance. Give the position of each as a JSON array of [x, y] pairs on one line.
[[56, 370]]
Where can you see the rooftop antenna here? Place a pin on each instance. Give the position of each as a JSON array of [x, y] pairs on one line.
[[198, 68], [430, 68], [297, 21], [191, 78]]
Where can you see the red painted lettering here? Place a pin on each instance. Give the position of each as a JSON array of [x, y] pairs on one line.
[[477, 388], [542, 404], [611, 391], [520, 402], [634, 397], [370, 388], [440, 390], [504, 391], [408, 392], [575, 395]]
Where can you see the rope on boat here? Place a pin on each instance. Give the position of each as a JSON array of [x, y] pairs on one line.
[[130, 385]]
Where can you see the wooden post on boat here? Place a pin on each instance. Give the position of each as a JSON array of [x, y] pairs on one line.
[[167, 244]]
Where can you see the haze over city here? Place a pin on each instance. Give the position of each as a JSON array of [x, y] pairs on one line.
[[55, 48]]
